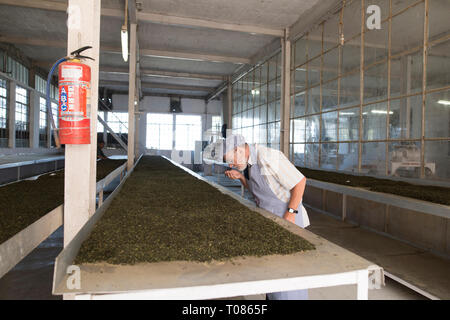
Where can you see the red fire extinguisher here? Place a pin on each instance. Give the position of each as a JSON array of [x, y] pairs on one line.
[[74, 100]]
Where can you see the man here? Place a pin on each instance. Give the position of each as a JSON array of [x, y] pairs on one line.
[[275, 183], [100, 154]]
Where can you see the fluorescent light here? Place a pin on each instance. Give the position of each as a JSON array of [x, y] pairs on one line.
[[346, 113], [124, 38], [381, 112], [444, 102], [255, 91]]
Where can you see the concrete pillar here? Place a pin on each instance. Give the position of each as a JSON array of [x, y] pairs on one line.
[[131, 96], [49, 129], [34, 119], [142, 132], [230, 104], [105, 131], [285, 93], [80, 160], [12, 114], [137, 134]]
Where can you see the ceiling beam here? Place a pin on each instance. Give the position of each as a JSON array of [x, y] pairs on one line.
[[151, 17], [147, 72], [192, 56], [164, 74], [56, 6], [34, 42], [143, 52], [152, 85], [132, 11], [169, 95], [190, 22], [155, 94]]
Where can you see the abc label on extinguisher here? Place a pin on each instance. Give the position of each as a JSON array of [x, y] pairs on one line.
[[74, 103]]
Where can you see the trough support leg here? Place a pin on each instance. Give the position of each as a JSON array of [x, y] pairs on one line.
[[362, 285]]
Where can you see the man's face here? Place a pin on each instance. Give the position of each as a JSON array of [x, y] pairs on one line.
[[236, 158], [101, 145]]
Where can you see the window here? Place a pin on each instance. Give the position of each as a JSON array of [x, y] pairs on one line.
[[3, 114], [40, 84], [188, 129], [159, 131], [118, 122], [100, 127], [42, 122], [17, 70], [22, 118], [256, 107], [216, 123], [55, 119]]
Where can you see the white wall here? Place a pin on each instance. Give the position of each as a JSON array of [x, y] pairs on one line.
[[161, 105]]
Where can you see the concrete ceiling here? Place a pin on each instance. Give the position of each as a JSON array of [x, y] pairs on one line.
[[41, 34]]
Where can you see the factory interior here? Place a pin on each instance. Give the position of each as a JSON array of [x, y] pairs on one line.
[[117, 179]]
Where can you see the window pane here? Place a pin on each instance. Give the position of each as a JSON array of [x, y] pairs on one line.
[[300, 51], [405, 118], [4, 132], [159, 131], [330, 65], [349, 124], [437, 154], [314, 72], [298, 130], [330, 95], [438, 66], [328, 156], [437, 115], [348, 157], [329, 126], [350, 95], [298, 108], [407, 35], [313, 100], [404, 159], [406, 74], [299, 154], [22, 118], [188, 129], [373, 158], [375, 83], [374, 121], [312, 128], [376, 44]]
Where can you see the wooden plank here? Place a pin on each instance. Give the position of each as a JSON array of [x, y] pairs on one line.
[[388, 199], [66, 257], [19, 246], [132, 95]]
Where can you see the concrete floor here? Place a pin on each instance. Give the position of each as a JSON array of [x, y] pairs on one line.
[[32, 278]]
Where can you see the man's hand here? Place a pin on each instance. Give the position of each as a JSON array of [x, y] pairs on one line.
[[289, 216], [234, 174]]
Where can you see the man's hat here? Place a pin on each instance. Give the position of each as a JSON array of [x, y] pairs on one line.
[[231, 142]]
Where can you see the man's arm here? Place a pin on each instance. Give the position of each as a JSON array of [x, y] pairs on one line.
[[296, 197], [236, 175]]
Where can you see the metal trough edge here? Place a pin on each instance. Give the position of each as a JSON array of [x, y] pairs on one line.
[[68, 254]]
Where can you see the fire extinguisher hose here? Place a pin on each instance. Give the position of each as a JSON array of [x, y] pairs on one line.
[[49, 106]]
